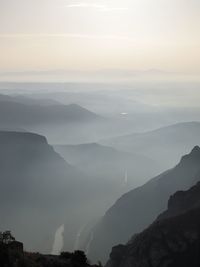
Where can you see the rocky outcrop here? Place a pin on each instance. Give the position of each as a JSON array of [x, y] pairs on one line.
[[134, 211], [172, 240], [181, 202]]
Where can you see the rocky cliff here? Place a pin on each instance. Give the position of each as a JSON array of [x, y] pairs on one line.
[[134, 211], [172, 240]]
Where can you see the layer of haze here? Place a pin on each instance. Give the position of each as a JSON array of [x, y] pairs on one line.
[[93, 35]]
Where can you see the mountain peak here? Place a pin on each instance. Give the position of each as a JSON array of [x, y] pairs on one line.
[[195, 151], [193, 155]]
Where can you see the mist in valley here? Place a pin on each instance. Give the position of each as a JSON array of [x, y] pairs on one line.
[[99, 133], [70, 151]]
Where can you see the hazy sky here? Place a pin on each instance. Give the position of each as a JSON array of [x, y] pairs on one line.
[[100, 34]]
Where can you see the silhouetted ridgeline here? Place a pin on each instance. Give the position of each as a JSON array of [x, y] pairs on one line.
[[13, 255], [134, 211], [173, 240]]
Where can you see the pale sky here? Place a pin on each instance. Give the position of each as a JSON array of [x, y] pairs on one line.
[[100, 34]]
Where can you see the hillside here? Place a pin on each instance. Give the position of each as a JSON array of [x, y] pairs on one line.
[[58, 122], [172, 240], [27, 100], [164, 145], [21, 115], [138, 208], [103, 162]]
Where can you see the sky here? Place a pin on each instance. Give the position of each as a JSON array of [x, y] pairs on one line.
[[92, 35]]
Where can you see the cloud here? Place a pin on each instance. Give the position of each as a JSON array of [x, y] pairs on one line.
[[104, 8]]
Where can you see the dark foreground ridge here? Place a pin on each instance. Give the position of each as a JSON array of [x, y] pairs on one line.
[[137, 209], [173, 240], [12, 254]]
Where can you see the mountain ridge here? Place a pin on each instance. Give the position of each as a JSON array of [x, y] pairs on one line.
[[171, 240], [139, 207], [164, 145], [24, 114]]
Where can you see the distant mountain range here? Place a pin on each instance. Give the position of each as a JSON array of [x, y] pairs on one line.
[[172, 240], [22, 110], [26, 100], [58, 122], [164, 145], [138, 208], [22, 115], [106, 163]]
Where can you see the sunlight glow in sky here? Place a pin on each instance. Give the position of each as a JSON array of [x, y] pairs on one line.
[[100, 34]]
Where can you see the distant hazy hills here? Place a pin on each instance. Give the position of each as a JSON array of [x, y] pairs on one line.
[[138, 208], [112, 174], [106, 163], [164, 145], [172, 240], [25, 99], [23, 112], [58, 122]]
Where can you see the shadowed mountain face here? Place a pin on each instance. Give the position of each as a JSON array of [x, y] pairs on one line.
[[172, 240], [118, 168], [39, 189], [165, 145], [137, 209], [182, 202], [113, 172]]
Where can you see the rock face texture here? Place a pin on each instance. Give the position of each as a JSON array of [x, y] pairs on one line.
[[172, 240], [182, 201], [134, 211]]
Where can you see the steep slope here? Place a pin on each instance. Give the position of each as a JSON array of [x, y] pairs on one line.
[[172, 240], [113, 173], [107, 163], [164, 145], [138, 208], [182, 201], [39, 189]]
